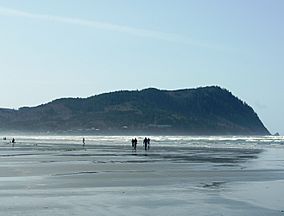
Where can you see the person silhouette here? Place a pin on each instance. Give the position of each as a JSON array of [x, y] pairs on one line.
[[83, 141], [13, 142], [132, 143], [145, 142], [135, 144]]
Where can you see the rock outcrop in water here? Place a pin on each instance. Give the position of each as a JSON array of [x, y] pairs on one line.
[[201, 111]]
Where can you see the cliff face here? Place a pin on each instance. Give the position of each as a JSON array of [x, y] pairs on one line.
[[201, 111]]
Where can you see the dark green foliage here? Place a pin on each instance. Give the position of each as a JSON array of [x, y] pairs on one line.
[[208, 110]]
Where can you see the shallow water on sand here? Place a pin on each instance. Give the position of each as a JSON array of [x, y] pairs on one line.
[[56, 175]]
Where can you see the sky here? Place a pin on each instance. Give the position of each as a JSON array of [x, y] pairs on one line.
[[69, 48]]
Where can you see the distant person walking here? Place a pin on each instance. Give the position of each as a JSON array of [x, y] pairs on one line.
[[83, 141], [132, 143], [13, 142], [145, 143], [148, 143]]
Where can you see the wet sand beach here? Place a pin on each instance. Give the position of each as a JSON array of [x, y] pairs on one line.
[[178, 175]]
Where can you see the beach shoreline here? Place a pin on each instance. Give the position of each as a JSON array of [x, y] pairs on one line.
[[53, 178]]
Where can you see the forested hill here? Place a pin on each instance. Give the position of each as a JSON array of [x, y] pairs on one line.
[[200, 111]]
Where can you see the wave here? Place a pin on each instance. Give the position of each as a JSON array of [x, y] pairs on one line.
[[174, 141]]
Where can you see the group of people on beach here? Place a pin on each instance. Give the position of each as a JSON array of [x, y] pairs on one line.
[[13, 141], [134, 143], [146, 143]]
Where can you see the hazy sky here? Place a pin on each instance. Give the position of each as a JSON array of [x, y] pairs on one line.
[[61, 48]]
